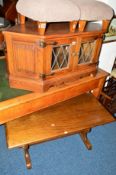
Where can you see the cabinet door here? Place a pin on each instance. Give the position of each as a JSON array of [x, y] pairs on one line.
[[85, 54], [60, 56], [22, 56], [73, 54]]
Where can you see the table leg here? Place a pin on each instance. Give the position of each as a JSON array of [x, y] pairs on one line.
[[96, 92], [27, 156], [85, 139]]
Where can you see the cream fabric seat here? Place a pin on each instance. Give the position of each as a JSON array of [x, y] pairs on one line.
[[93, 10], [49, 10], [64, 10]]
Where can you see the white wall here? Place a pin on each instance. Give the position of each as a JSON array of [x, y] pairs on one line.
[[107, 56], [108, 52]]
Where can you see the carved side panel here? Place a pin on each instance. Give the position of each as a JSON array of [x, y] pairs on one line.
[[25, 58]]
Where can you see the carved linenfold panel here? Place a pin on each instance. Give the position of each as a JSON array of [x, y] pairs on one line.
[[24, 57], [60, 57], [86, 52]]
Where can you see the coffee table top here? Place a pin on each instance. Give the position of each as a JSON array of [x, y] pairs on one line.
[[69, 117]]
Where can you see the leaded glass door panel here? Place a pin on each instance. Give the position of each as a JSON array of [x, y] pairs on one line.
[[65, 56], [89, 51], [60, 57], [86, 52]]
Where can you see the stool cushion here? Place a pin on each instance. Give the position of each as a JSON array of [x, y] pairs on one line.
[[94, 10], [64, 10], [49, 10]]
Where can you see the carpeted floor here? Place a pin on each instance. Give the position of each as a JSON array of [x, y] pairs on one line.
[[66, 156]]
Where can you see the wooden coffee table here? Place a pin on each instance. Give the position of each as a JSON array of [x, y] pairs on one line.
[[77, 115], [27, 104]]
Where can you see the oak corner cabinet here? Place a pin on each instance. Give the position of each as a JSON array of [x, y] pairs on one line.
[[39, 62]]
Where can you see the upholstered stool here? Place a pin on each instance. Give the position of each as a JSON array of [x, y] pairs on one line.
[[74, 11], [91, 10], [49, 11]]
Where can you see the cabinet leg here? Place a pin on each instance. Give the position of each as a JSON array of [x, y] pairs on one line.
[[27, 156], [85, 139], [41, 27]]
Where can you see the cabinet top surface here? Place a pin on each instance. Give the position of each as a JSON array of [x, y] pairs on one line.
[[54, 29]]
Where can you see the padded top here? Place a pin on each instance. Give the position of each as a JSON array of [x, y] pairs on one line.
[[64, 10], [93, 10], [49, 10]]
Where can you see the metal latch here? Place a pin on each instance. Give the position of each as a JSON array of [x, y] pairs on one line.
[[43, 44], [43, 76]]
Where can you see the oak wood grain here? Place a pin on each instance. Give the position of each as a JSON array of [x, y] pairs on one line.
[[27, 60], [26, 104], [68, 117]]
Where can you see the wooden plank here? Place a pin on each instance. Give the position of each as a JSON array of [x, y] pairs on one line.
[[68, 117], [23, 105]]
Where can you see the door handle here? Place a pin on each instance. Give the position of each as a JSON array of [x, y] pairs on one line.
[[43, 44]]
